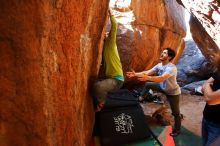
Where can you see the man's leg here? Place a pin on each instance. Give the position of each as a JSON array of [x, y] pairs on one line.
[[147, 86], [101, 89], [174, 105]]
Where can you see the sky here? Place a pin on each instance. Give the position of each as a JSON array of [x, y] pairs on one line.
[[188, 33]]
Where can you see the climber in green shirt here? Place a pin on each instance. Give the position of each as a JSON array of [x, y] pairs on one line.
[[112, 67]]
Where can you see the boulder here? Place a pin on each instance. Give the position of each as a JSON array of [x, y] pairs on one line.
[[192, 86], [49, 50], [148, 28], [204, 25], [193, 66]]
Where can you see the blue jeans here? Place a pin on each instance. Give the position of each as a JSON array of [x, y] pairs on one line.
[[210, 133]]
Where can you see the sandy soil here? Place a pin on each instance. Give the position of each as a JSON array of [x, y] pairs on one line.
[[191, 106]]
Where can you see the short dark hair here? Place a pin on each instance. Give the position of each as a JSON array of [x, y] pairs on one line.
[[171, 53]]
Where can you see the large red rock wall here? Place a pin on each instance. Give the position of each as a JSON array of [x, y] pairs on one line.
[[48, 50], [146, 27]]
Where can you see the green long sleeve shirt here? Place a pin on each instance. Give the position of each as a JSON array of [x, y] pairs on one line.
[[111, 59]]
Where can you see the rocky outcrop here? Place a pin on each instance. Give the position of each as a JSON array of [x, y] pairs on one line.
[[205, 25], [193, 86], [146, 29], [48, 50], [204, 41], [193, 66]]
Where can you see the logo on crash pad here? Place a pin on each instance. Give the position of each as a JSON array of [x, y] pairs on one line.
[[123, 123]]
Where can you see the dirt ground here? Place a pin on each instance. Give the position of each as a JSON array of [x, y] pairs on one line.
[[191, 106]]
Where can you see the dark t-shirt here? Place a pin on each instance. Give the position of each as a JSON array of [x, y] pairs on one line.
[[211, 112]]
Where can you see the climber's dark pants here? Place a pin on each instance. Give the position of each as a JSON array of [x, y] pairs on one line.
[[101, 88]]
